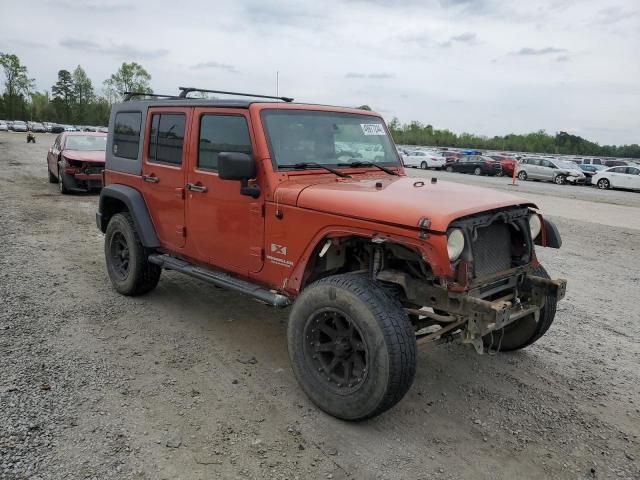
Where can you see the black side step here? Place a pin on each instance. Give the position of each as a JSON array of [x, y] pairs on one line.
[[221, 279]]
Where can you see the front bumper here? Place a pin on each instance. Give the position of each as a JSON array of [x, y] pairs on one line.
[[576, 180], [486, 307]]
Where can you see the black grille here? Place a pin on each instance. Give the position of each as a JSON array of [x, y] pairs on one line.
[[492, 249], [90, 170]]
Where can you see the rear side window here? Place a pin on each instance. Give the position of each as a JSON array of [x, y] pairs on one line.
[[221, 133], [166, 138], [126, 134]]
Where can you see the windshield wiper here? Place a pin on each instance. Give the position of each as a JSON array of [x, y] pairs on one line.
[[305, 165], [360, 163]]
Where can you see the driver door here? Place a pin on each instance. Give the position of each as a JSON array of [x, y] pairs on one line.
[[225, 229]]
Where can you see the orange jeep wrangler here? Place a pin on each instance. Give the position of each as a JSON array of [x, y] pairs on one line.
[[278, 200]]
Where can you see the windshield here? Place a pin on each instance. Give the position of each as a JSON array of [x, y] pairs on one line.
[[86, 142], [327, 138]]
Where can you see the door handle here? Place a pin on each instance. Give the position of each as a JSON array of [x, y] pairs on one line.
[[150, 178], [194, 187]]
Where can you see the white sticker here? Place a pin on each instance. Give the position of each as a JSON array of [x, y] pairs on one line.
[[372, 129]]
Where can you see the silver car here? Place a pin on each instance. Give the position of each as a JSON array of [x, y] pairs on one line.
[[4, 127], [19, 126], [557, 171]]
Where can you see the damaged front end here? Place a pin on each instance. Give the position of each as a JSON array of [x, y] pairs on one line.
[[496, 282]]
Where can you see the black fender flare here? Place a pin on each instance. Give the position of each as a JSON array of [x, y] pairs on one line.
[[550, 235], [136, 206]]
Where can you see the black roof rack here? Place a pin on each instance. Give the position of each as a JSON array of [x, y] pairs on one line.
[[129, 95], [184, 91]]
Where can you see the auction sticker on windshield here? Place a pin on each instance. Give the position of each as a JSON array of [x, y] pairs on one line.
[[372, 129]]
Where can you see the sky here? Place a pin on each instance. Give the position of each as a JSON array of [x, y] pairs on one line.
[[489, 67]]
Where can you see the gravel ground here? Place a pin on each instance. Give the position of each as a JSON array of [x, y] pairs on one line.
[[193, 382]]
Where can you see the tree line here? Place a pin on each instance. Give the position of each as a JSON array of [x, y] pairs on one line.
[[72, 99], [415, 133]]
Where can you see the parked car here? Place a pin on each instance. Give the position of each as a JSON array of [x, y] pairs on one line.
[[618, 177], [55, 128], [451, 156], [38, 127], [557, 171], [616, 163], [589, 171], [424, 159], [508, 164], [18, 126], [4, 127], [476, 164], [76, 161], [186, 189]]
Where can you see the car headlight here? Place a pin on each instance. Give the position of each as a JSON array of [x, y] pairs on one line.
[[455, 244], [535, 225]]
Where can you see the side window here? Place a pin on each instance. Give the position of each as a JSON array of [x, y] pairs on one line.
[[618, 170], [166, 138], [633, 171], [126, 134], [221, 133]]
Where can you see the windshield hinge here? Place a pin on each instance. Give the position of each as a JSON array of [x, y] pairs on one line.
[[423, 228]]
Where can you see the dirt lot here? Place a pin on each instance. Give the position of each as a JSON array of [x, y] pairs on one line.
[[193, 382]]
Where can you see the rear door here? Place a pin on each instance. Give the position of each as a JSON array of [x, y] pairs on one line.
[[617, 177], [163, 172], [632, 178], [52, 156], [224, 228]]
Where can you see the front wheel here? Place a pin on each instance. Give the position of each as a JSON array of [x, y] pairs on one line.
[[62, 183], [128, 266], [522, 176], [560, 180], [352, 347], [524, 332], [603, 184], [52, 177], [477, 171]]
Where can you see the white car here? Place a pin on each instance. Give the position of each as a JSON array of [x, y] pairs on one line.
[[4, 127], [424, 160], [618, 177]]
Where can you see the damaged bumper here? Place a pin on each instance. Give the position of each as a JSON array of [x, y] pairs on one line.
[[489, 306]]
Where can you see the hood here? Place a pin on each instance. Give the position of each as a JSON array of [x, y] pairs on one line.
[[398, 201], [97, 156]]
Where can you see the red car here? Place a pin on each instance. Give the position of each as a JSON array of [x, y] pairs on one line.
[[76, 161], [508, 163]]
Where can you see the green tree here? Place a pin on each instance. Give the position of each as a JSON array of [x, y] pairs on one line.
[[130, 77], [41, 107], [63, 95], [17, 85], [83, 94]]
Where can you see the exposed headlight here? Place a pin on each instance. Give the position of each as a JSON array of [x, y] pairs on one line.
[[455, 244], [535, 225]]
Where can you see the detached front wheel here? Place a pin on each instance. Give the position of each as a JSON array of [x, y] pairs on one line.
[[527, 330], [351, 346]]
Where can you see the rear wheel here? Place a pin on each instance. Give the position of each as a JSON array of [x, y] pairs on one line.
[[449, 169], [423, 165], [477, 171], [603, 184], [522, 176], [351, 346], [525, 331], [127, 259]]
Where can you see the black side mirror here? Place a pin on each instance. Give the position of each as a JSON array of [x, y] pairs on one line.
[[239, 166]]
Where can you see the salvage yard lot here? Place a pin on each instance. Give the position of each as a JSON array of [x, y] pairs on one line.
[[191, 381]]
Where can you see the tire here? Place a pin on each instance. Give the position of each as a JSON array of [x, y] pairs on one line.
[[366, 331], [62, 185], [129, 270], [424, 165], [477, 171], [526, 331], [559, 180], [604, 184], [52, 177], [449, 169], [522, 175]]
